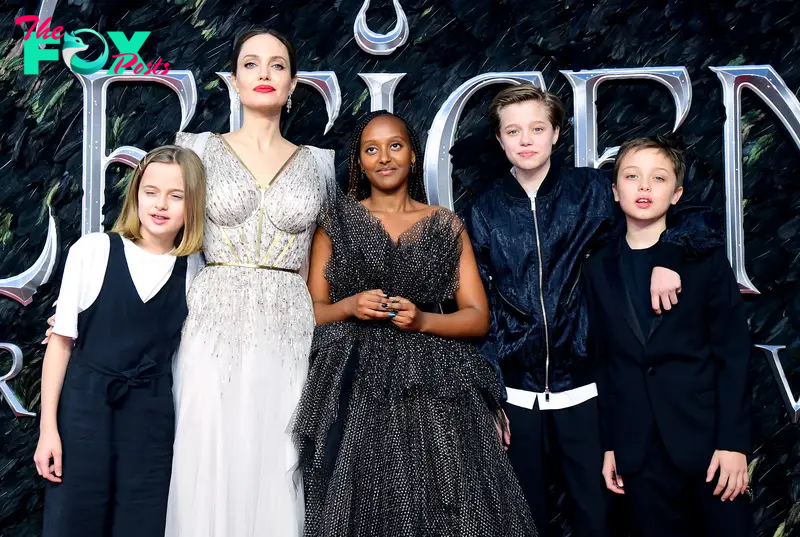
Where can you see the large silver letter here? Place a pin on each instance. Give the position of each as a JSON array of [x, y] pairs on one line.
[[438, 183], [792, 404], [584, 88], [8, 394], [767, 84], [381, 89], [325, 82], [95, 161], [381, 44], [46, 9], [23, 286]]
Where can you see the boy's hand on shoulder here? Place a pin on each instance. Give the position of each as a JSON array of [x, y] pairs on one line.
[[613, 479], [665, 286], [733, 474]]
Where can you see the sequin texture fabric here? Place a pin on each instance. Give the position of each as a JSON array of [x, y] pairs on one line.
[[395, 429], [244, 353]]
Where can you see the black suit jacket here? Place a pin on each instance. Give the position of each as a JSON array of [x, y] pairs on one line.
[[686, 374]]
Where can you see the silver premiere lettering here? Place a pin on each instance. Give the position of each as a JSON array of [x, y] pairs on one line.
[[95, 161], [438, 183], [381, 89], [792, 404], [584, 88], [23, 286], [325, 82], [770, 87], [8, 394]]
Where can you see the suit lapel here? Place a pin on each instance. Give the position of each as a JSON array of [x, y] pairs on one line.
[[613, 270], [655, 323]]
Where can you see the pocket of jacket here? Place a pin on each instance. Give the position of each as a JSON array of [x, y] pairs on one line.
[[574, 285], [511, 304]]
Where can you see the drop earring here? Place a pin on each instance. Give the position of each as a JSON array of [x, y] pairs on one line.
[[236, 99], [289, 103]]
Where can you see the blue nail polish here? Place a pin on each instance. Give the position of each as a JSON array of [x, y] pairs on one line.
[[392, 315]]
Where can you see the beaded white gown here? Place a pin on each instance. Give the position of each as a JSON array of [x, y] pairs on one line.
[[244, 353]]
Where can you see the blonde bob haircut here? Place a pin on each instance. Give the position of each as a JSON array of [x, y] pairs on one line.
[[190, 238]]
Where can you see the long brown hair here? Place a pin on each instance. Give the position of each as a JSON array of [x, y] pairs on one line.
[[190, 238]]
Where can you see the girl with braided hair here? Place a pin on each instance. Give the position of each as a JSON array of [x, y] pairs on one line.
[[399, 429]]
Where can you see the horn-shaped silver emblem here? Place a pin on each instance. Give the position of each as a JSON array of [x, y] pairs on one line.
[[381, 44]]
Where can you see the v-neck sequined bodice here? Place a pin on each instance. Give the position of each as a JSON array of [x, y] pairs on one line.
[[244, 353], [422, 265], [271, 226]]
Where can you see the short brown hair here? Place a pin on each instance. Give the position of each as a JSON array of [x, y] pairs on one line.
[[521, 93], [243, 37], [666, 146], [190, 238]]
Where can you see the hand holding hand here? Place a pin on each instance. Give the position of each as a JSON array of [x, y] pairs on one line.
[[404, 314], [370, 305]]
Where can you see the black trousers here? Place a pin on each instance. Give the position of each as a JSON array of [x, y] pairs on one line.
[[571, 436], [117, 461], [667, 502]]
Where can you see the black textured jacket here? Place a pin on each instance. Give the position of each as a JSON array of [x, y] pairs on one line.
[[684, 373], [530, 263]]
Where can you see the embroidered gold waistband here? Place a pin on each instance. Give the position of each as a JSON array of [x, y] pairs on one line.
[[250, 265]]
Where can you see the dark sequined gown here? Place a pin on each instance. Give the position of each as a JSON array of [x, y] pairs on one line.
[[395, 429]]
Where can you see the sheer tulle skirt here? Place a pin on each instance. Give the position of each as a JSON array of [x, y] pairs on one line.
[[238, 376], [396, 438]]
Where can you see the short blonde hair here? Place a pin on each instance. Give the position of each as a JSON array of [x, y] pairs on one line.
[[190, 238], [521, 93]]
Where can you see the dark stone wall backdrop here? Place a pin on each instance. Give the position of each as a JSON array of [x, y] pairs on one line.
[[451, 41]]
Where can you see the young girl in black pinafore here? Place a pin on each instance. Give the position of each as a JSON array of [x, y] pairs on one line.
[[107, 418]]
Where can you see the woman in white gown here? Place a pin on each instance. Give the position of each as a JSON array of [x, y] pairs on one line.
[[244, 353]]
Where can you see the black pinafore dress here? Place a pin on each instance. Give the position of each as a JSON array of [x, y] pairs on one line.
[[116, 413]]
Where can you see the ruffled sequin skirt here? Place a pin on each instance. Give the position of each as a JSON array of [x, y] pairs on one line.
[[396, 437]]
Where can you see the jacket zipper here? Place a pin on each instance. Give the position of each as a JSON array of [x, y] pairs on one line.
[[541, 300]]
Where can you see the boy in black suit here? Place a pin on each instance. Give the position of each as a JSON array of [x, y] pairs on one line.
[[672, 388]]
